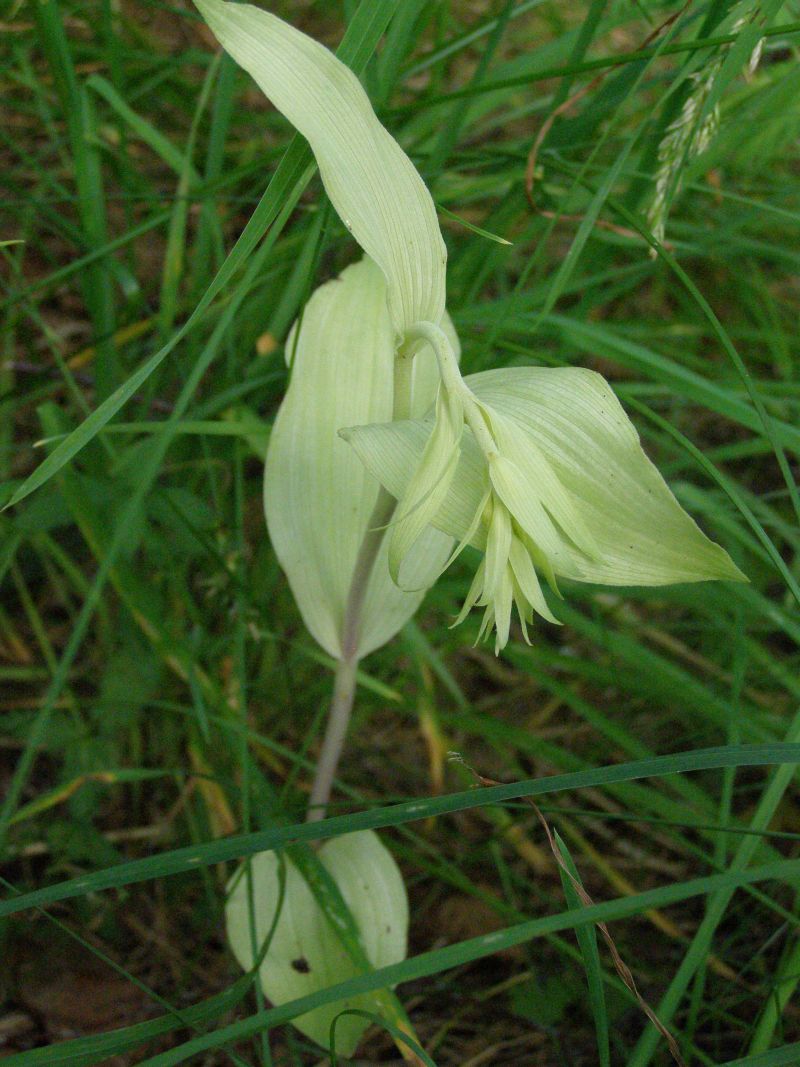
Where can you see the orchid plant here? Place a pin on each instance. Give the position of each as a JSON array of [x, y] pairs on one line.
[[385, 462]]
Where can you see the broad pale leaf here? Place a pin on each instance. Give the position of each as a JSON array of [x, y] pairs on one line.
[[318, 497], [305, 954], [372, 183]]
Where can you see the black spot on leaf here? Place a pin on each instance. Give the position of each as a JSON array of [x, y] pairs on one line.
[[301, 965]]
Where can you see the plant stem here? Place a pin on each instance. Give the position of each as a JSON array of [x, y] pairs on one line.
[[344, 687], [344, 691], [453, 383]]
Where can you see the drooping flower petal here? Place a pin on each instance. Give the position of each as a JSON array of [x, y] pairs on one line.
[[392, 452], [430, 483], [318, 497], [528, 584], [305, 955], [426, 370], [371, 182], [533, 468], [498, 546], [521, 497]]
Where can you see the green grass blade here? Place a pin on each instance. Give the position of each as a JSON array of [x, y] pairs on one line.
[[190, 858], [434, 962], [715, 912], [288, 181], [587, 940], [153, 138]]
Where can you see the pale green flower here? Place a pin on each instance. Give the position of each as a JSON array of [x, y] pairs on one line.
[[555, 481], [539, 468]]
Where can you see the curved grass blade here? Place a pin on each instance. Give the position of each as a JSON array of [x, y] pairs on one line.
[[434, 962], [716, 908], [587, 940], [788, 1056], [196, 856], [421, 966], [730, 490], [400, 1036], [357, 45], [362, 35]]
